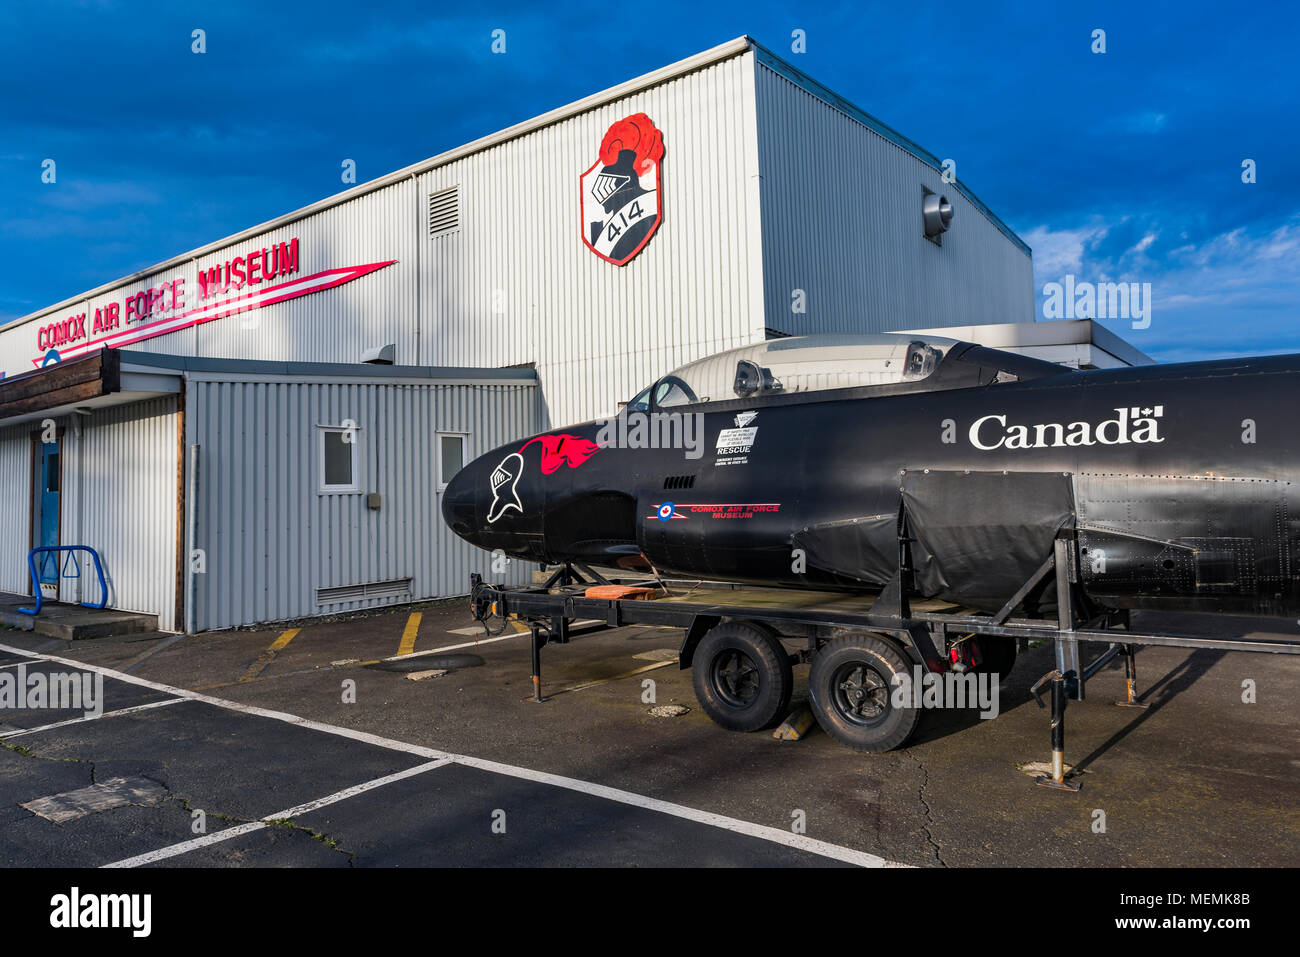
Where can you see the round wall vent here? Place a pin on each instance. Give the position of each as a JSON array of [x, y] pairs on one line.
[[937, 214]]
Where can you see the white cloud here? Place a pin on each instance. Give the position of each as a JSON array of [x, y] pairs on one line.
[[1144, 244], [1061, 251], [1232, 294]]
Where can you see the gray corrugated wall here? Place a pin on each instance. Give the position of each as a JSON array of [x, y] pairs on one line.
[[841, 210], [119, 497], [271, 539], [15, 507]]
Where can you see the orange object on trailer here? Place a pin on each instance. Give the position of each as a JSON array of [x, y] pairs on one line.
[[633, 592]]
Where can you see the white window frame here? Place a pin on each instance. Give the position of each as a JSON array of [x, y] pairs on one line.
[[355, 486], [464, 452]]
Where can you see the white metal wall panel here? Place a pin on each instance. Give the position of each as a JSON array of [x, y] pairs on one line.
[[516, 283], [15, 507], [271, 539], [333, 325], [767, 188], [19, 344], [118, 495], [338, 324], [841, 209]]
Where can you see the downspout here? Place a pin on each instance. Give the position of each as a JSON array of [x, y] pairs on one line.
[[191, 536], [419, 244], [78, 531]]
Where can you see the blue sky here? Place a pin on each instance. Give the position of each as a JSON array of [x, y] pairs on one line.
[[1122, 166]]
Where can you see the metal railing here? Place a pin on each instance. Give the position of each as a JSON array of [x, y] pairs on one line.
[[36, 578]]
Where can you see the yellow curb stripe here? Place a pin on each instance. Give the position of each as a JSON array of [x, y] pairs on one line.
[[266, 657], [408, 635], [284, 639]]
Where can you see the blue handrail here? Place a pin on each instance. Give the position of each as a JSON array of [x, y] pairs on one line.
[[36, 578]]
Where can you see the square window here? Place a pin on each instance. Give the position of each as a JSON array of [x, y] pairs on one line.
[[451, 458], [338, 460]]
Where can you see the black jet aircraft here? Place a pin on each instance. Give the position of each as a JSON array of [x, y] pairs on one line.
[[797, 462]]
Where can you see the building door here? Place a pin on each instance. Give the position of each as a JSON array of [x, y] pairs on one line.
[[46, 512]]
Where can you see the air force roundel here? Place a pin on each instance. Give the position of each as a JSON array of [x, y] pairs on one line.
[[619, 195]]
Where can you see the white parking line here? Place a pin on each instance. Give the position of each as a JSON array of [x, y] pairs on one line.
[[437, 758], [184, 847], [185, 693], [760, 831], [446, 648], [93, 717]]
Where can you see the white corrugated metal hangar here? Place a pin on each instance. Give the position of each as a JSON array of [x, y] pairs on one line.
[[257, 429]]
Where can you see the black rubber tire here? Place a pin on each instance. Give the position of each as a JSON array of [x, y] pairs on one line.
[[742, 677], [832, 684], [998, 653]]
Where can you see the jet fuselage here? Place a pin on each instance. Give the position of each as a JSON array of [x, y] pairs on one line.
[[1179, 480]]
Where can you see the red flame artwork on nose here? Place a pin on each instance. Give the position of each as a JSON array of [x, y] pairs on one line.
[[557, 450], [636, 133]]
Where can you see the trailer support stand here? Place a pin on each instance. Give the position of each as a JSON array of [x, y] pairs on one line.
[[538, 639], [1130, 679], [1059, 698]]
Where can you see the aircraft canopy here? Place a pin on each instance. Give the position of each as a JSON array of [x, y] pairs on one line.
[[796, 365]]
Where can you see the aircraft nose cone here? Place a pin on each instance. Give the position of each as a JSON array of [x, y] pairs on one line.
[[459, 505]]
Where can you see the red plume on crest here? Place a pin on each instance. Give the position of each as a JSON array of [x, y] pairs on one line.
[[636, 133], [557, 450]]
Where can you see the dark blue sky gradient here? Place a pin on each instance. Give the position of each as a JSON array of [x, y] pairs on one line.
[[1122, 166]]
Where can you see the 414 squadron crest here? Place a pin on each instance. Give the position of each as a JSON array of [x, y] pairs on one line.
[[619, 194]]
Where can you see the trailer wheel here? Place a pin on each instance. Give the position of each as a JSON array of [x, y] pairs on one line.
[[999, 654], [850, 687], [742, 677]]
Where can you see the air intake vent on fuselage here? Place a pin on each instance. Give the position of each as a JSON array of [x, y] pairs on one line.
[[679, 481]]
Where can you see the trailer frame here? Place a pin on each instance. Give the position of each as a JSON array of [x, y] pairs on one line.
[[550, 607]]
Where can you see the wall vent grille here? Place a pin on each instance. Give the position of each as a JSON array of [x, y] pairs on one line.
[[444, 211], [367, 591]]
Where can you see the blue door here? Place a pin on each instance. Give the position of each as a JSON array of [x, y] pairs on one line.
[[47, 509]]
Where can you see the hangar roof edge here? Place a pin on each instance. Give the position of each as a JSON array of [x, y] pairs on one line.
[[722, 51], [269, 367], [716, 54]]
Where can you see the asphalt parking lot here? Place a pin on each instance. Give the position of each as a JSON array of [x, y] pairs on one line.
[[305, 747]]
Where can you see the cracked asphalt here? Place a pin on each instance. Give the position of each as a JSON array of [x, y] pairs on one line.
[[1199, 778]]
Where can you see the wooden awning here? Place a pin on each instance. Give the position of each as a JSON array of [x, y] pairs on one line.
[[61, 383]]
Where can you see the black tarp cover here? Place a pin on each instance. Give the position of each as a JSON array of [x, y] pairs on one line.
[[980, 535], [863, 548]]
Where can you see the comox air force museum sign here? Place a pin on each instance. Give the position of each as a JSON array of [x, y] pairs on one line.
[[255, 278], [619, 195]]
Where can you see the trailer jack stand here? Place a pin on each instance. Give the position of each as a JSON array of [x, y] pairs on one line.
[[1060, 695], [1130, 680], [538, 640]]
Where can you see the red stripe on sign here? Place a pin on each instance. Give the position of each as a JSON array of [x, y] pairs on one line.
[[247, 302]]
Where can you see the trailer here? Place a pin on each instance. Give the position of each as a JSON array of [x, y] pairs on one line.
[[742, 654]]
